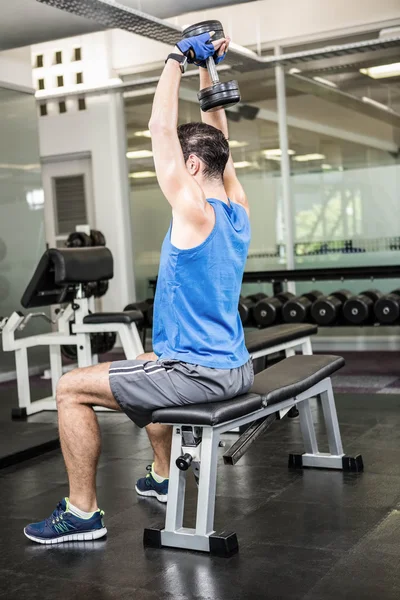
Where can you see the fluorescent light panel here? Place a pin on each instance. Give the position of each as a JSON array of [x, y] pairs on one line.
[[242, 164], [237, 144], [139, 154], [325, 81], [275, 153], [307, 157], [381, 71], [146, 133], [142, 174], [375, 103]]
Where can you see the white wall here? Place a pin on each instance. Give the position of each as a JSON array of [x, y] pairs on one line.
[[15, 69], [98, 130]]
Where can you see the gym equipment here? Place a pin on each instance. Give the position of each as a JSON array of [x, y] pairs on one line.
[[297, 310], [219, 94], [246, 306], [359, 310], [196, 434], [80, 239], [387, 308], [327, 310], [144, 307], [97, 238], [60, 278], [100, 343], [268, 311]]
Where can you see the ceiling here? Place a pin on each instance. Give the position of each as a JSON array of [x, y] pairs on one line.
[[26, 22]]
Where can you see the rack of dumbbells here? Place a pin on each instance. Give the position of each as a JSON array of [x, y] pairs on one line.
[[339, 308]]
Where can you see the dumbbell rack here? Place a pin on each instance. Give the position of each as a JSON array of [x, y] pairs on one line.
[[279, 278]]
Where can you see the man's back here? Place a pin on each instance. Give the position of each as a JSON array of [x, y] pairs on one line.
[[196, 305]]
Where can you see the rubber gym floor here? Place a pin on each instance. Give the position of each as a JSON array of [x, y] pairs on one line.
[[306, 535]]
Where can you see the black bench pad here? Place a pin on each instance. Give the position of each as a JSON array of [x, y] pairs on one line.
[[272, 336], [282, 381], [128, 317]]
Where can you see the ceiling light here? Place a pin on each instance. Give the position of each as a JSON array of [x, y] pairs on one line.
[[142, 174], [375, 103], [294, 71], [325, 81], [275, 153], [326, 167], [35, 199], [242, 164], [307, 157], [381, 71], [146, 133], [139, 154], [28, 167], [237, 144]]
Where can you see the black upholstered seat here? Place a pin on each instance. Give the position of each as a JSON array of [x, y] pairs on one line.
[[279, 334], [128, 317], [282, 381]]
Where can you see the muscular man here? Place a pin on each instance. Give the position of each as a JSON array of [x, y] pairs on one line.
[[199, 350]]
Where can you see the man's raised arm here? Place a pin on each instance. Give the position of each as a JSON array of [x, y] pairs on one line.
[[179, 188], [218, 120]]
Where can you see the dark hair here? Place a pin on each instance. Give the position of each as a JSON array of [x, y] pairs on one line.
[[207, 143]]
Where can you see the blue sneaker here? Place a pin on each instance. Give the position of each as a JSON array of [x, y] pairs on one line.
[[64, 526], [148, 486]]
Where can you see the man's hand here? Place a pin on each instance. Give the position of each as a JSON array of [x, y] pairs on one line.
[[200, 47]]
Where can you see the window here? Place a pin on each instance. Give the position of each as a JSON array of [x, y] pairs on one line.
[[60, 80], [58, 57], [43, 110], [62, 107], [70, 203], [40, 84], [81, 104], [39, 61], [77, 53], [79, 78]]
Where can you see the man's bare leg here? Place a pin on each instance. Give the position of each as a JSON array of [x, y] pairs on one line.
[[160, 437], [77, 392]]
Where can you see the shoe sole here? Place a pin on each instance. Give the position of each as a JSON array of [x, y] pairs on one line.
[[72, 537], [153, 494]]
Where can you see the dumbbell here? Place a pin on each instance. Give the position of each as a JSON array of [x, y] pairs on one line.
[[219, 94], [327, 310], [359, 310], [246, 307], [298, 309], [268, 311], [79, 239], [387, 308]]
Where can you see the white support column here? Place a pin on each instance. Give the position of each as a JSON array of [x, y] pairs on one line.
[[331, 420], [207, 483], [24, 392], [285, 167], [307, 427], [176, 488], [55, 367]]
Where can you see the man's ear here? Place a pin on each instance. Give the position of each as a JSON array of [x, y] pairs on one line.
[[193, 164]]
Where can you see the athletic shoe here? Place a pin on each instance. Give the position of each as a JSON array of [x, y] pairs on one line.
[[148, 486], [64, 526]]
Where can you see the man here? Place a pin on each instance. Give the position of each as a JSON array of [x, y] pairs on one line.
[[199, 350]]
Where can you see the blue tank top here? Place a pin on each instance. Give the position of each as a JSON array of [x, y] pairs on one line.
[[196, 318]]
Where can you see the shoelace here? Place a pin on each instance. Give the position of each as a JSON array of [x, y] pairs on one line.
[[57, 515], [148, 482]]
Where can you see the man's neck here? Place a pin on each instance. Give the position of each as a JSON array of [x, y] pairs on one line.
[[215, 190]]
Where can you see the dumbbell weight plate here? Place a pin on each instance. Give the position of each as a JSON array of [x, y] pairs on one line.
[[78, 239], [205, 27], [97, 238], [387, 309], [222, 94]]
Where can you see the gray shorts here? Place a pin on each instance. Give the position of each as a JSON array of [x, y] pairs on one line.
[[142, 386]]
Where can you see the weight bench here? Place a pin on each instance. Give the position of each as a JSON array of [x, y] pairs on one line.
[[196, 435], [286, 337]]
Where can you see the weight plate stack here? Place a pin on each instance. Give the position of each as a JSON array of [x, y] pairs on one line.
[[219, 95], [268, 311]]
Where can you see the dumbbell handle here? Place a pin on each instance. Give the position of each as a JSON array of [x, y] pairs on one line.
[[212, 70]]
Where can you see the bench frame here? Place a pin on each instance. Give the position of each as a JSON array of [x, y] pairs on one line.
[[203, 537]]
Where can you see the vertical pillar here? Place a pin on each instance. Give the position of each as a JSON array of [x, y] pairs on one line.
[[285, 167]]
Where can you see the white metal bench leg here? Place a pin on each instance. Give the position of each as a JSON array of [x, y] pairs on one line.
[[331, 420]]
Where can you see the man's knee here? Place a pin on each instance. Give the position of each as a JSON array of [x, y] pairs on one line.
[[66, 387]]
